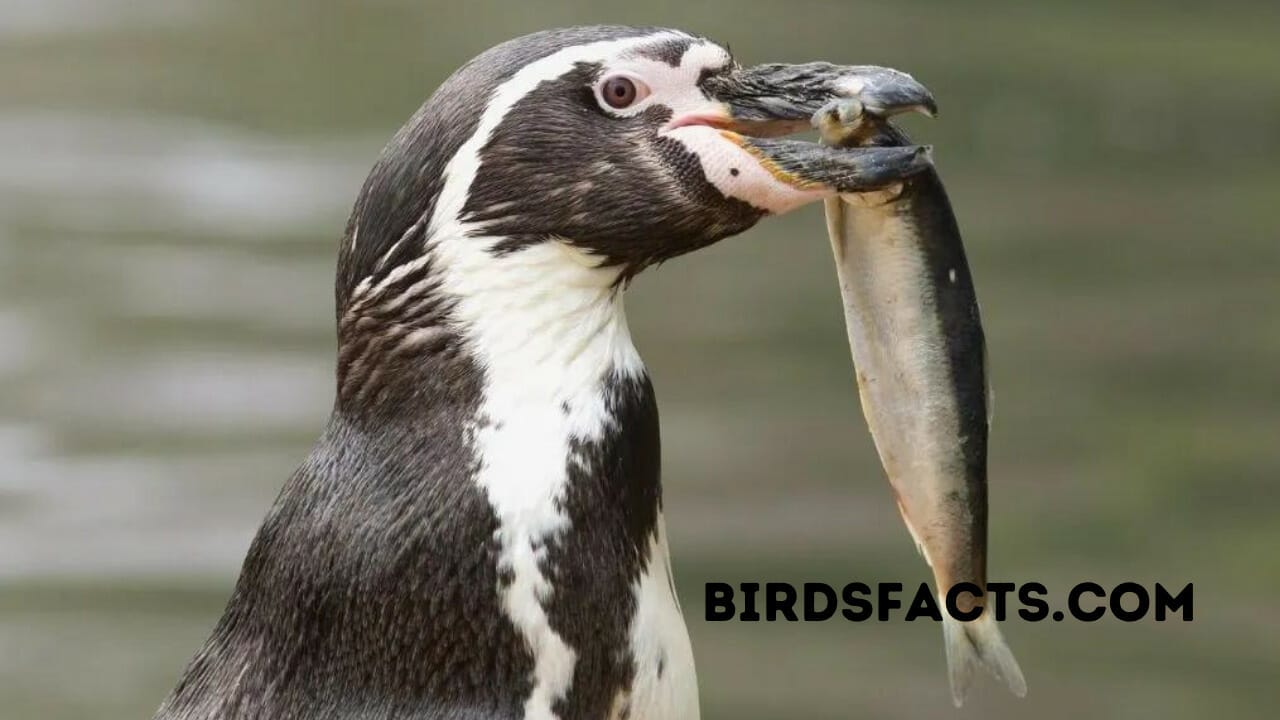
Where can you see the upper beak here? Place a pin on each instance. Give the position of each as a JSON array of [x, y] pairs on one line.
[[766, 101], [789, 95]]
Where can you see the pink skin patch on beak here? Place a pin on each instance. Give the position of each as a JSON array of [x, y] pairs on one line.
[[737, 171], [709, 119]]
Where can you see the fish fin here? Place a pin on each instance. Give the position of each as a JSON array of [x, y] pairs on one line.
[[912, 530], [834, 211], [974, 643], [986, 381]]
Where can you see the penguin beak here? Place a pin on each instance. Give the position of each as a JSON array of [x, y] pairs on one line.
[[756, 106], [782, 98]]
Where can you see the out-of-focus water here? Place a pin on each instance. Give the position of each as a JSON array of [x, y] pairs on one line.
[[174, 177]]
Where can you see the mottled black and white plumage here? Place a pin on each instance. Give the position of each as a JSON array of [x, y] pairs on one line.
[[478, 533]]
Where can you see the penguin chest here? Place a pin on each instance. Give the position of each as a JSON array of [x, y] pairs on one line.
[[665, 684], [582, 559]]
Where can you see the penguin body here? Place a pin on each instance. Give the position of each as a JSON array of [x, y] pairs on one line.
[[478, 534]]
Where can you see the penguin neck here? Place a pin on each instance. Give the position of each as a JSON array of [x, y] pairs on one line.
[[541, 326], [545, 322]]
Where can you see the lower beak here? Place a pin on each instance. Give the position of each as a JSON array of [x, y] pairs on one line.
[[767, 101]]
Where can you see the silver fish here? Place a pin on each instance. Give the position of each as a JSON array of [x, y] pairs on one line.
[[919, 356]]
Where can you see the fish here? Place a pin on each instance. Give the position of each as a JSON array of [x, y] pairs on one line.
[[919, 356]]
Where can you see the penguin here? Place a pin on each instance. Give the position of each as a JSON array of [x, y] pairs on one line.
[[478, 532]]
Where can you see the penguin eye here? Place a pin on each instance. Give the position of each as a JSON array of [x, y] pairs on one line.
[[621, 92]]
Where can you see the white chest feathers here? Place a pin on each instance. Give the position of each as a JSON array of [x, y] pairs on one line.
[[549, 330], [665, 685]]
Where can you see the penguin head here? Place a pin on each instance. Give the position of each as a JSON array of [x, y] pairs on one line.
[[627, 145]]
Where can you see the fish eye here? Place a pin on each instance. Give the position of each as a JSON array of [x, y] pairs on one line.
[[620, 92]]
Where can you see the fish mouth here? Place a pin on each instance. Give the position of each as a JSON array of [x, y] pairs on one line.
[[757, 107]]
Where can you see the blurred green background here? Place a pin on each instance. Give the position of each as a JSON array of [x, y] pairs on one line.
[[174, 175]]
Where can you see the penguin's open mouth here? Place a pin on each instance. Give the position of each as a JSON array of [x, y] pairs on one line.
[[757, 107]]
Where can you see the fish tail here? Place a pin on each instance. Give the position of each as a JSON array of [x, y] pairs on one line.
[[974, 643]]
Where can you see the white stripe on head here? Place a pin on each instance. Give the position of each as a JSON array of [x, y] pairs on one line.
[[462, 168]]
